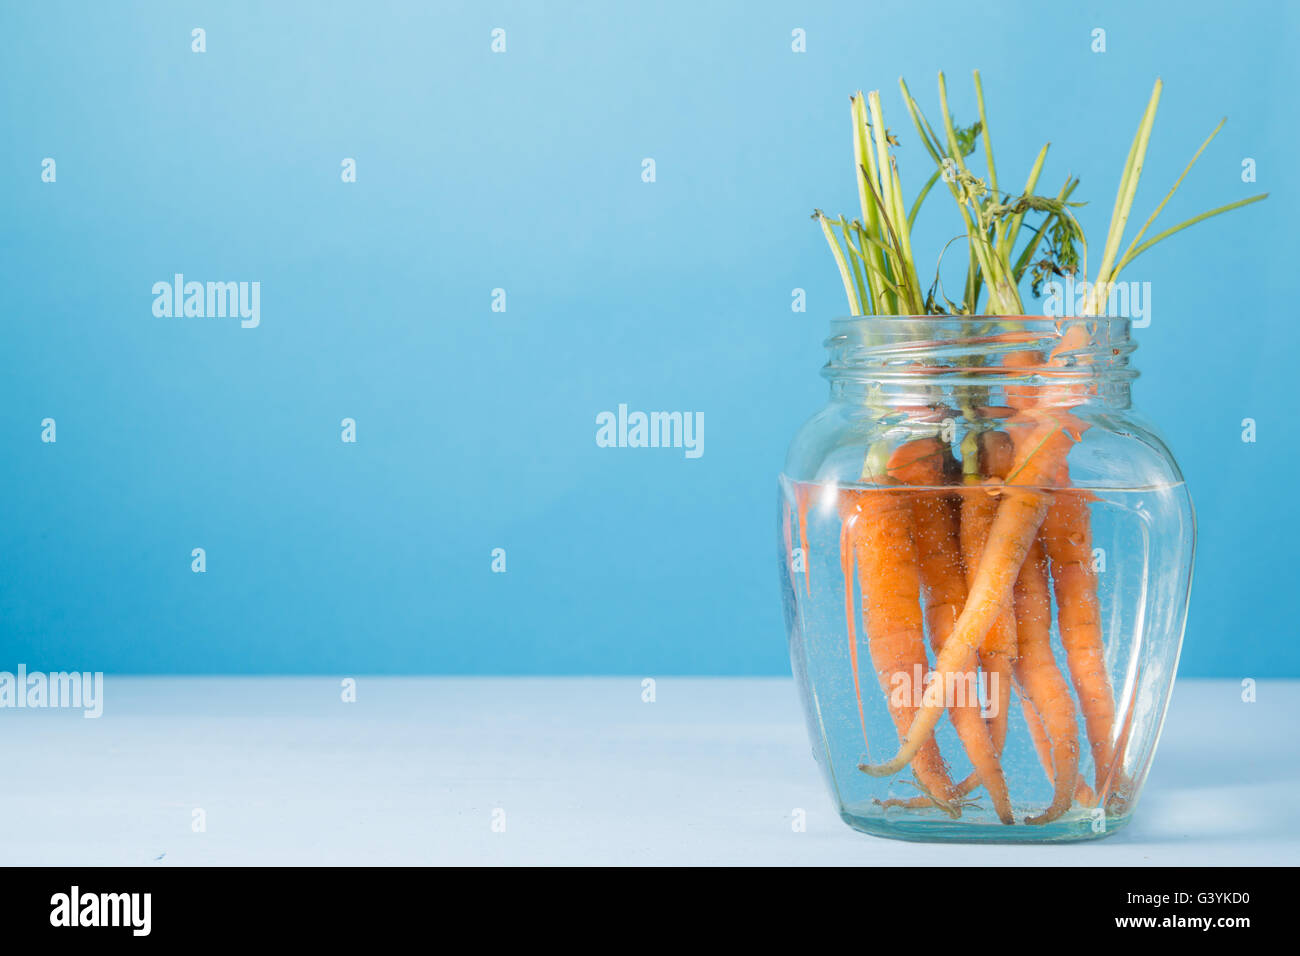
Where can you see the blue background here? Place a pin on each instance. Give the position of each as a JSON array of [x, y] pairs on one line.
[[476, 429]]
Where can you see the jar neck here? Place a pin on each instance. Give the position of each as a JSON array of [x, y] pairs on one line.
[[979, 361]]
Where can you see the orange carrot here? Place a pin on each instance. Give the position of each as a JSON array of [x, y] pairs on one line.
[[1042, 745], [1045, 690], [1067, 538], [802, 495], [880, 523], [935, 530], [979, 505], [998, 651], [1021, 510], [1083, 794], [1021, 396], [1114, 790], [850, 612]]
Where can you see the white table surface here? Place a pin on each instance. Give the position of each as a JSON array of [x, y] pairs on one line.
[[584, 771]]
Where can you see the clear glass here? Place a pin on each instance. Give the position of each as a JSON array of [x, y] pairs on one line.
[[933, 436]]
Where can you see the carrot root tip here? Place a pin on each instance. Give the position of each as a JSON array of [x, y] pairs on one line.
[[880, 769]]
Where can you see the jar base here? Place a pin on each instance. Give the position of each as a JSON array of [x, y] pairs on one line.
[[978, 826]]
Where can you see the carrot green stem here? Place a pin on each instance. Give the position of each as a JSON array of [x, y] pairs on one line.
[[1130, 256], [855, 307], [1013, 230], [988, 154], [1004, 299], [1170, 195], [864, 296], [920, 197], [874, 259], [1124, 198]]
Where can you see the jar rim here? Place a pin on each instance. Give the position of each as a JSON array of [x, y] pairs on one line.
[[1017, 350], [1109, 320]]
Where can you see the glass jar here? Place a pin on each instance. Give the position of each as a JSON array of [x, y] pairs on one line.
[[982, 486]]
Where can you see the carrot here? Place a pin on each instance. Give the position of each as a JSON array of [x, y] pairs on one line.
[[997, 653], [880, 524], [979, 506], [1045, 690], [1042, 745], [850, 612], [935, 531], [1114, 790], [1067, 538], [1021, 396], [1021, 510], [1083, 794], [802, 495]]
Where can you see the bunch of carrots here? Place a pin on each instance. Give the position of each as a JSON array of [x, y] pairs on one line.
[[967, 546]]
